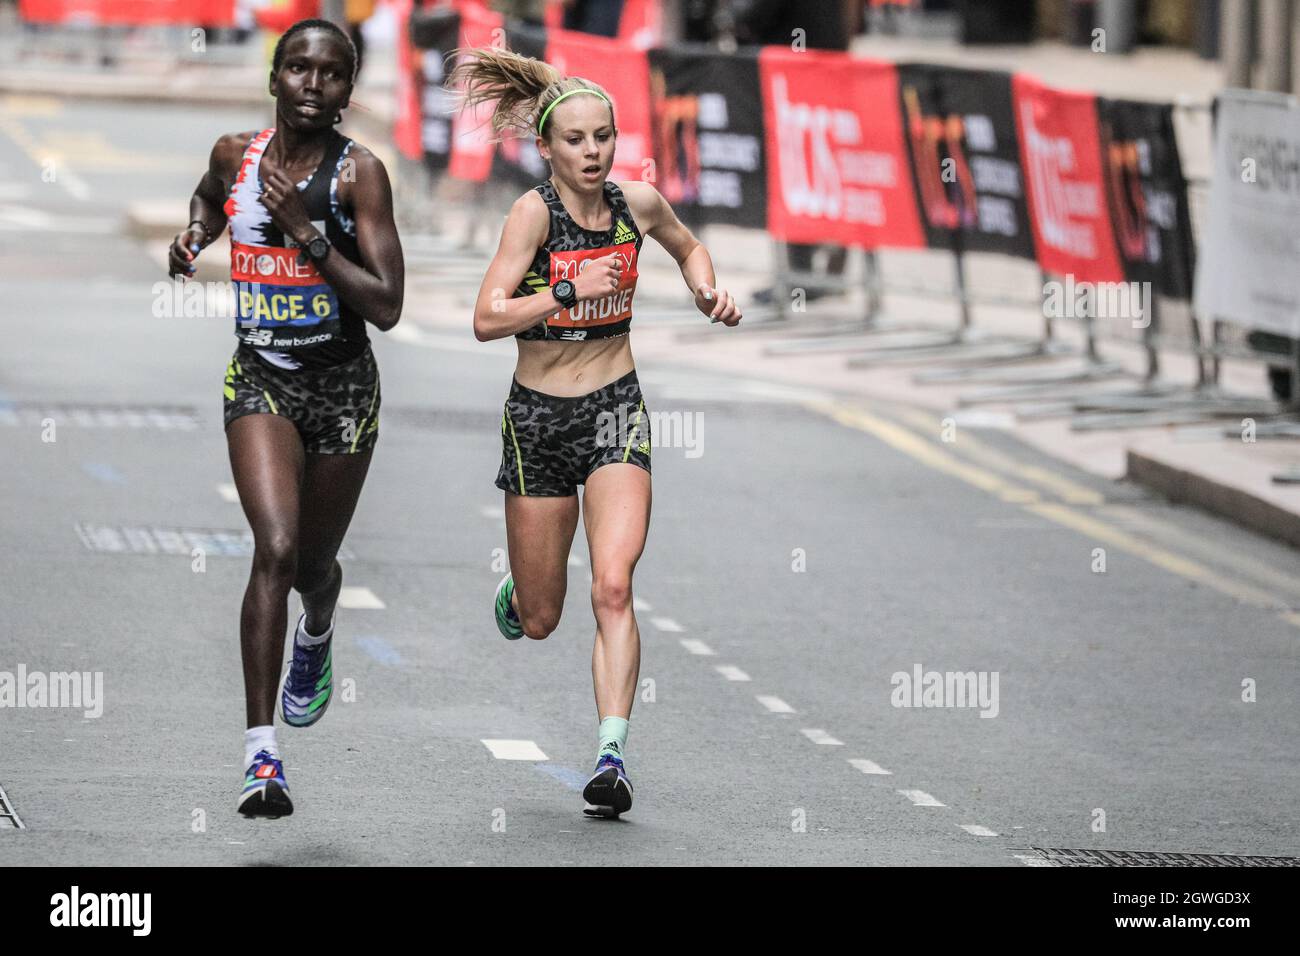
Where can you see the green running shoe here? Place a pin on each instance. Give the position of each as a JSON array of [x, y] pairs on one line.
[[507, 620]]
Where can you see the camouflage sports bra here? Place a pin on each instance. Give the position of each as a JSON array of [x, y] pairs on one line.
[[568, 246]]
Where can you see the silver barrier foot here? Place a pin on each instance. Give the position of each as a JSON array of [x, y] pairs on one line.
[[972, 364]]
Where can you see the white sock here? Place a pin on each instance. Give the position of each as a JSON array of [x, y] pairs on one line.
[[311, 640], [259, 738]]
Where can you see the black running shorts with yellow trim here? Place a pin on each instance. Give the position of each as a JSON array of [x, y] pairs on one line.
[[336, 410], [551, 444]]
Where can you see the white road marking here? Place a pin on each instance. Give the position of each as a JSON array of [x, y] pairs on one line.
[[667, 624], [1028, 860], [731, 672], [640, 605], [920, 798], [360, 599], [869, 766], [515, 750], [819, 736], [228, 492], [490, 511], [697, 647], [775, 704], [576, 562], [974, 829]]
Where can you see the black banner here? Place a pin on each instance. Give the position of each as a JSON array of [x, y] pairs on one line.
[[434, 34], [961, 137], [516, 160], [1147, 194], [707, 120]]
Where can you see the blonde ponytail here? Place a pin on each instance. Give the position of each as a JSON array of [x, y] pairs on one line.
[[521, 86]]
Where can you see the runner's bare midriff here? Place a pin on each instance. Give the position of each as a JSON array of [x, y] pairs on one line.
[[570, 369]]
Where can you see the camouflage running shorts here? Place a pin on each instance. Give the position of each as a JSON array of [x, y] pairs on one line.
[[336, 410], [550, 445]]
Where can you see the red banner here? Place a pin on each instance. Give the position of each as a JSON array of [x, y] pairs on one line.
[[406, 121], [1060, 152], [837, 166], [471, 130], [199, 13], [625, 75]]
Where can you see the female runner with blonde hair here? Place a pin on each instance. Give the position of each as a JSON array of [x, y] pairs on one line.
[[562, 283]]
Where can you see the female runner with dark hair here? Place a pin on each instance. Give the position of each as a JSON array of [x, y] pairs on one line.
[[314, 256], [562, 283]]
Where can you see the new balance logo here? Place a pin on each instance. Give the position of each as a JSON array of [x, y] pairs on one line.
[[622, 233]]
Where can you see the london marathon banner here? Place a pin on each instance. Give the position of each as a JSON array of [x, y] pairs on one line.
[[837, 168], [1247, 272], [1147, 194], [1060, 153], [707, 118], [965, 155]]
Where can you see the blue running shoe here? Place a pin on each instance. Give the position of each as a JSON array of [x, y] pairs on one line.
[[266, 793], [309, 681], [609, 792], [507, 620]]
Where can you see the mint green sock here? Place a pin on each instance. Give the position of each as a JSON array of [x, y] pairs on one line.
[[613, 737]]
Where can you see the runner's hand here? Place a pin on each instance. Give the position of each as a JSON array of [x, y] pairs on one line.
[[180, 257], [718, 305], [599, 277], [282, 200]]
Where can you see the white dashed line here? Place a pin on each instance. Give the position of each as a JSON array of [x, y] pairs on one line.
[[697, 647], [819, 736], [974, 829], [775, 704], [1028, 860], [640, 605], [229, 493], [514, 750], [667, 624], [920, 798], [360, 599], [731, 672], [868, 766]]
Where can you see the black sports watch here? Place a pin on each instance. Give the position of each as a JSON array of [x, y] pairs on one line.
[[318, 248], [565, 293]]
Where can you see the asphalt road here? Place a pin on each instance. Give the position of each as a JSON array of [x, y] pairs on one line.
[[808, 553]]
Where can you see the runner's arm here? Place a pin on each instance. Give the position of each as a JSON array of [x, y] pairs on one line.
[[207, 205], [658, 221], [497, 313], [376, 288]]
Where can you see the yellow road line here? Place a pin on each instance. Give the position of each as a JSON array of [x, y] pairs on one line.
[[1068, 491], [931, 455]]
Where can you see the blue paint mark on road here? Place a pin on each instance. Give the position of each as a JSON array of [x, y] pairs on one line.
[[379, 649], [566, 775], [102, 471]]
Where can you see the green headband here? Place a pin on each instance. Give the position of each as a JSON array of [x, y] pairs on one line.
[[581, 89]]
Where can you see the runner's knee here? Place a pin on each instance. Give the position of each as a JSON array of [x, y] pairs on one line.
[[313, 577], [275, 555], [538, 624], [611, 592]]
